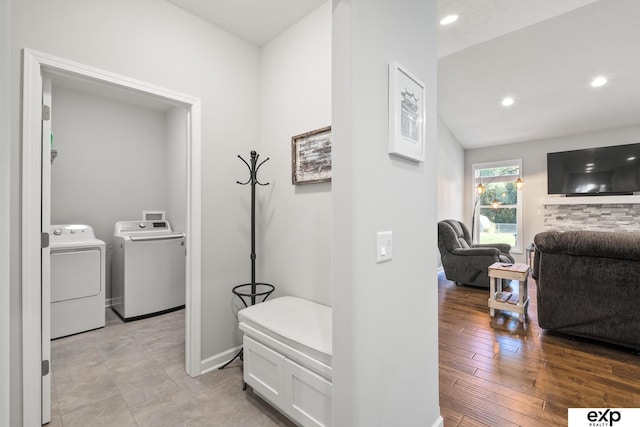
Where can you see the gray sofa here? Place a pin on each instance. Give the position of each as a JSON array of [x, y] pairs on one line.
[[465, 262], [589, 284]]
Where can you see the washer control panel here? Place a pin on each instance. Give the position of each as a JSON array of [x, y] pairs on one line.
[[142, 226]]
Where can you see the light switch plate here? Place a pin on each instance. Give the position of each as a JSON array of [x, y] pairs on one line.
[[384, 246]]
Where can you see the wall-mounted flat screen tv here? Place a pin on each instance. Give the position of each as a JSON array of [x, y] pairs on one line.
[[595, 171]]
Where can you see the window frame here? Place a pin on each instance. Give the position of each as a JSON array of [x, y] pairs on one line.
[[475, 174]]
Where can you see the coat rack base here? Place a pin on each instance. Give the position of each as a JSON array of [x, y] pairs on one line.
[[249, 293]]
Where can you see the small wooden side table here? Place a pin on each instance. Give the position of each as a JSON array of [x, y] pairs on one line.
[[501, 300]]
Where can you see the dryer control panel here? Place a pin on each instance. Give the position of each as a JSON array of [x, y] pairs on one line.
[[71, 232]]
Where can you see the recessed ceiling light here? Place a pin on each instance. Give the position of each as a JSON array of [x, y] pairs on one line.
[[449, 19], [507, 102], [590, 164], [631, 158], [598, 81]]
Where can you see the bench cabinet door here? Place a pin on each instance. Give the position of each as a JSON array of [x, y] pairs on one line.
[[307, 396], [264, 371]]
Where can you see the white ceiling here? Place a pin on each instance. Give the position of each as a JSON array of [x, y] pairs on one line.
[[546, 67], [482, 20], [543, 53], [256, 21]]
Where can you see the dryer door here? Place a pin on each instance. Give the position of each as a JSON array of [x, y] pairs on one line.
[[75, 274]]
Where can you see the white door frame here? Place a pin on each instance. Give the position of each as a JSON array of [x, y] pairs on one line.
[[45, 253], [34, 65]]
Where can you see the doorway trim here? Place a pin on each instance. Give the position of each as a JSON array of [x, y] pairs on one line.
[[34, 65]]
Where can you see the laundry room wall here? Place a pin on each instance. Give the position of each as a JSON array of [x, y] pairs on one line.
[[111, 164], [161, 44], [294, 222], [176, 166]]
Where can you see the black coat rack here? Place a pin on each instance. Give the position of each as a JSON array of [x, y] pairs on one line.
[[253, 181], [253, 290]]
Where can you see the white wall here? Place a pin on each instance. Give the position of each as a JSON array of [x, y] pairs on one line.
[[450, 175], [176, 164], [534, 168], [110, 164], [294, 222], [385, 336], [5, 198], [158, 43], [450, 181]]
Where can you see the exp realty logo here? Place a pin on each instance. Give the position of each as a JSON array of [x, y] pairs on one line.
[[604, 417]]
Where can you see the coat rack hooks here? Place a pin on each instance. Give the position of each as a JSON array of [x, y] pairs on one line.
[[253, 169]]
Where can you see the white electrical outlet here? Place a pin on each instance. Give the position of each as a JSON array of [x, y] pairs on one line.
[[384, 247]]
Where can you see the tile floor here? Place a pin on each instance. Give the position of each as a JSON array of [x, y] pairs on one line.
[[132, 374]]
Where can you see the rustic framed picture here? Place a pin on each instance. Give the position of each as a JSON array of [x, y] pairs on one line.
[[311, 157], [406, 113]]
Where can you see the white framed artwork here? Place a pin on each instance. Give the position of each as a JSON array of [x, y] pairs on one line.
[[406, 114]]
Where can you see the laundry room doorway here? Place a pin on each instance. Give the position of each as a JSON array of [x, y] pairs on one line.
[[43, 72]]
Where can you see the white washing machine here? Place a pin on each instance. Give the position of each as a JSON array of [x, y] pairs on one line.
[[77, 280], [147, 269]]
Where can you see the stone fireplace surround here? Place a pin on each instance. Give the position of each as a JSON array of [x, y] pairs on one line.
[[598, 213]]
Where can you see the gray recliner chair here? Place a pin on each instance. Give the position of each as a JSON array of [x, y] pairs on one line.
[[463, 261]]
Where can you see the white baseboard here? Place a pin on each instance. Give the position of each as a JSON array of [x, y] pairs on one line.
[[439, 422], [218, 360]]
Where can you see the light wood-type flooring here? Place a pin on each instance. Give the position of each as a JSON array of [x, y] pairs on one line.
[[132, 374], [498, 373]]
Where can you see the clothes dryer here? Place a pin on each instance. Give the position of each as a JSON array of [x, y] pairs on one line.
[[147, 269], [77, 280]]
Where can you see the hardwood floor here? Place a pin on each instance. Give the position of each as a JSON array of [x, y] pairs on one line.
[[495, 372]]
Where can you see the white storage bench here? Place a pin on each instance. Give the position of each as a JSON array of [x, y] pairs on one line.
[[287, 357]]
